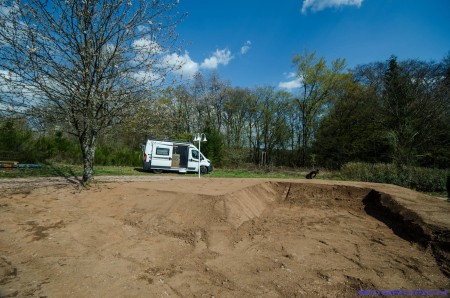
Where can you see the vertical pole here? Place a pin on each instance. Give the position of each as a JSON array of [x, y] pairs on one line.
[[199, 155]]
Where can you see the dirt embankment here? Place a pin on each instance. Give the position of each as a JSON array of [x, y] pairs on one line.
[[222, 238]]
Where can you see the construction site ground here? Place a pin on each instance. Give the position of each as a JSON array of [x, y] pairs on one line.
[[180, 236]]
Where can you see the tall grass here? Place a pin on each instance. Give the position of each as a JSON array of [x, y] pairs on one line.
[[418, 178]]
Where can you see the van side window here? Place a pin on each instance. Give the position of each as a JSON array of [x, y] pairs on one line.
[[162, 151], [195, 154]]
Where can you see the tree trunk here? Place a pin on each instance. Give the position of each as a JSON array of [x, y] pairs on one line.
[[88, 144], [305, 137]]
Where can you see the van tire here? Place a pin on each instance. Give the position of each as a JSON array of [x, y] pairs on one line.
[[157, 171], [203, 170]]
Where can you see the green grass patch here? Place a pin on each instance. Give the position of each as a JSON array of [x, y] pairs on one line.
[[63, 170], [242, 173], [119, 171], [250, 171], [45, 171]]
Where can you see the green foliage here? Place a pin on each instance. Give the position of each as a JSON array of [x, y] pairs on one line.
[[415, 110], [184, 137], [418, 178], [15, 140], [320, 83], [117, 156], [213, 148], [20, 143], [399, 112], [352, 131], [392, 112], [53, 147], [235, 157]]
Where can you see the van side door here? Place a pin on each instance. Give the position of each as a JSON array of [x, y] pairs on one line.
[[180, 156], [162, 156]]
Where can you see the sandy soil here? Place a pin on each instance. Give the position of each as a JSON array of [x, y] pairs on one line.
[[178, 236]]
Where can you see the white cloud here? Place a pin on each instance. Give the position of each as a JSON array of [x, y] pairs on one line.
[[219, 57], [147, 46], [290, 75], [294, 84], [317, 5], [246, 47], [183, 65]]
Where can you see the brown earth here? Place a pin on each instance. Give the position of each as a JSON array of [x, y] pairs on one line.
[[184, 237]]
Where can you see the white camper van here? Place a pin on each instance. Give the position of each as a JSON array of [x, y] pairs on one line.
[[174, 156]]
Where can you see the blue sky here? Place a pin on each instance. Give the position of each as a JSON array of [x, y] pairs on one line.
[[251, 43]]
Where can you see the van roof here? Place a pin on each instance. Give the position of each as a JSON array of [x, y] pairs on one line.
[[169, 141]]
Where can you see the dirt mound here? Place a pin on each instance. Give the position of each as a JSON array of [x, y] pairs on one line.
[[219, 237]]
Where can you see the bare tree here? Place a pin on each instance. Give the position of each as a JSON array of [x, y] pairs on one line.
[[235, 110], [217, 95], [83, 63]]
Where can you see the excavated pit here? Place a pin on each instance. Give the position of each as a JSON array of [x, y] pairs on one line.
[[403, 222], [220, 237]]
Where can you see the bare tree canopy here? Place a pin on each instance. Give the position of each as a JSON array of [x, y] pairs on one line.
[[82, 63]]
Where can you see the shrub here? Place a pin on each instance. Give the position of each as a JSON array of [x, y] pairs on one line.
[[419, 178], [117, 156]]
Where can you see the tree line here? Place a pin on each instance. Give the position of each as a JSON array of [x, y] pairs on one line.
[[390, 112], [383, 112]]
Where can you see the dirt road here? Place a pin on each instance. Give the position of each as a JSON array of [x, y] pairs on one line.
[[169, 237]]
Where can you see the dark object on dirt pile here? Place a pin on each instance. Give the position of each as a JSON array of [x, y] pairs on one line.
[[312, 174]]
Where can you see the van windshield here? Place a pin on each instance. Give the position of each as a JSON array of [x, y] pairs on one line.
[[195, 155]]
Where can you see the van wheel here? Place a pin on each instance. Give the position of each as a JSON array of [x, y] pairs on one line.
[[203, 170], [157, 171]]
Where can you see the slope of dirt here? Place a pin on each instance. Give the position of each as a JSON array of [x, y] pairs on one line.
[[220, 237]]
